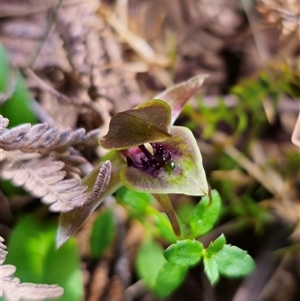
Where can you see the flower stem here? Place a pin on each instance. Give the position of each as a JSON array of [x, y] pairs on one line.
[[164, 201]]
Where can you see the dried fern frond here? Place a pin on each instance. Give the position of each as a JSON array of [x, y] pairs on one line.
[[43, 177], [3, 123], [284, 13], [92, 137], [13, 290], [3, 251], [42, 138]]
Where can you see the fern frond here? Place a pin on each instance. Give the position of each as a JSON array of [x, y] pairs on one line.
[[100, 185], [42, 137], [3, 123], [13, 290], [43, 177]]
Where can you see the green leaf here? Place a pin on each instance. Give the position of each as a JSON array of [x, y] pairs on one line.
[[31, 248], [18, 107], [149, 260], [184, 252], [217, 245], [169, 278], [177, 96], [211, 269], [205, 214], [184, 212], [234, 262], [149, 122], [165, 227], [137, 200], [187, 177], [104, 229]]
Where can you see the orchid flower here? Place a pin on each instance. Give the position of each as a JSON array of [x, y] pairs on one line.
[[148, 154]]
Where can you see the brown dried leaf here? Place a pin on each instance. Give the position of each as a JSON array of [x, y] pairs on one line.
[[3, 123], [43, 177], [13, 290], [296, 133], [285, 14], [3, 251], [41, 137]]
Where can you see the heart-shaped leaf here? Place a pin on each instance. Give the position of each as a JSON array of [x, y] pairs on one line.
[[148, 122], [187, 177]]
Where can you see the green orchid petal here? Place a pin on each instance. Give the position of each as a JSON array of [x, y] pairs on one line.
[[71, 221], [187, 177], [166, 204], [148, 122], [177, 96]]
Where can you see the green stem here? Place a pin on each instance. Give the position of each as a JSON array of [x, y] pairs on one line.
[[164, 201]]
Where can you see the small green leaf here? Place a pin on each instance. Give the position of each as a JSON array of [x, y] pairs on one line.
[[217, 245], [205, 214], [184, 252], [165, 227], [149, 122], [18, 107], [169, 278], [149, 260], [104, 229], [184, 212], [187, 177], [234, 262], [211, 269], [137, 200]]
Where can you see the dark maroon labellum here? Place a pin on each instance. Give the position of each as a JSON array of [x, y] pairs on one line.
[[159, 159]]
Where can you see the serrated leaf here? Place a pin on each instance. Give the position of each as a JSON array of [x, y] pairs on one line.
[[149, 122], [149, 260], [103, 231], [184, 252], [211, 269], [187, 177], [234, 262], [205, 214], [216, 245], [169, 278]]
